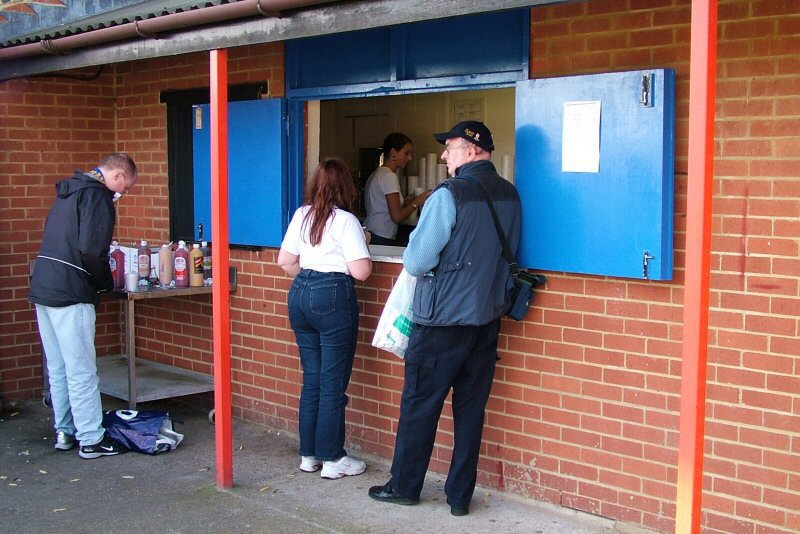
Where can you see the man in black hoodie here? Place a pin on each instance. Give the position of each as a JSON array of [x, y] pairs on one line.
[[72, 269]]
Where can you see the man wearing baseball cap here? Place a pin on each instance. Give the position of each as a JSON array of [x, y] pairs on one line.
[[462, 290]]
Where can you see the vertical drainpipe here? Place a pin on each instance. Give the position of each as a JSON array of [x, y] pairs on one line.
[[220, 265], [702, 97]]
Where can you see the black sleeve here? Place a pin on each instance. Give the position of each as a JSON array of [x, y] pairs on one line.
[[97, 219]]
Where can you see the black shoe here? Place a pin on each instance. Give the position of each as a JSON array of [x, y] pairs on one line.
[[388, 494], [107, 447], [458, 511]]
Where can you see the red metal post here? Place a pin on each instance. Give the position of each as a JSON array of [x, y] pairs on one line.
[[220, 266], [702, 97]]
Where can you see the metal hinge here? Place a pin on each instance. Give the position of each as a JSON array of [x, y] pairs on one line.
[[646, 257], [647, 91]]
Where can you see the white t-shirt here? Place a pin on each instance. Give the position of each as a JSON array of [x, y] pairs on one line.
[[342, 241], [380, 183]]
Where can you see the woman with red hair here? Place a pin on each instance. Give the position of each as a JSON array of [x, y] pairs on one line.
[[325, 250]]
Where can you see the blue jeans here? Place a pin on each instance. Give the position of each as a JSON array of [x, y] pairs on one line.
[[323, 311], [68, 339]]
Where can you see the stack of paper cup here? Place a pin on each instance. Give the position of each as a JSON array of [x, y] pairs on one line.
[[423, 171], [413, 184], [441, 172], [507, 169], [430, 181], [131, 282]]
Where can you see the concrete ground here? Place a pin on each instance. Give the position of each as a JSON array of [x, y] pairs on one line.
[[43, 491]]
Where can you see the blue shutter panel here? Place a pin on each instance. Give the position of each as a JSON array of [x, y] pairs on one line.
[[256, 156], [603, 223]]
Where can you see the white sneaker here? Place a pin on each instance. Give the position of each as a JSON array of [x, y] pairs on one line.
[[64, 441], [343, 467], [309, 464]]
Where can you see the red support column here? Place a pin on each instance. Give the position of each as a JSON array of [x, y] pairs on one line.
[[702, 97], [220, 266]]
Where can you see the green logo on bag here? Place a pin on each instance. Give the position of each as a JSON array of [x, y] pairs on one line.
[[404, 324]]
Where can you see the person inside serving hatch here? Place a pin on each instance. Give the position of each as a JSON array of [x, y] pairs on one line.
[[325, 250], [385, 204]]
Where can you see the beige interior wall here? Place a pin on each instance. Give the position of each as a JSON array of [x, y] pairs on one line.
[[349, 124]]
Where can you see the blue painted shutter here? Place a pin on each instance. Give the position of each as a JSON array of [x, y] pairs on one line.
[[487, 49], [602, 223], [256, 159]]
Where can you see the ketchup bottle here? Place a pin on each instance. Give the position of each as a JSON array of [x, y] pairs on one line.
[[117, 263], [144, 262], [182, 265]]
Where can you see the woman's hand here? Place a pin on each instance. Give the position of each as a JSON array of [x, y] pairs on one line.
[[419, 200], [410, 204]]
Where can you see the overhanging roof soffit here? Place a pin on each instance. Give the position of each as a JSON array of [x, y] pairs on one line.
[[306, 20]]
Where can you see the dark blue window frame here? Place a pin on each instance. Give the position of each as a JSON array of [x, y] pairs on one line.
[[471, 52], [486, 50]]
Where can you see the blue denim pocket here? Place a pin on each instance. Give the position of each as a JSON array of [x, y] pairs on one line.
[[322, 298]]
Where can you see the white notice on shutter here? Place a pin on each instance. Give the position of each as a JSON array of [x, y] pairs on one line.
[[580, 142]]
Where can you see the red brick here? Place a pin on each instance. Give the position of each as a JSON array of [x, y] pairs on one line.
[[773, 285], [786, 384], [578, 470], [767, 400], [625, 343], [765, 439], [780, 499], [761, 513], [619, 480], [620, 512]]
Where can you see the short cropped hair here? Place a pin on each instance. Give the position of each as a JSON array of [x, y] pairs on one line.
[[122, 161]]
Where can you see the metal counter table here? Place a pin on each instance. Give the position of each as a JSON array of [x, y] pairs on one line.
[[158, 381]]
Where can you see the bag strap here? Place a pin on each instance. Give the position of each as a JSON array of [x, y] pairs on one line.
[[507, 254]]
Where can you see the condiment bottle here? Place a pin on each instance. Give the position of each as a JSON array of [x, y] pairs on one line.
[[182, 265], [117, 263], [166, 265], [206, 259], [196, 266], [144, 262]]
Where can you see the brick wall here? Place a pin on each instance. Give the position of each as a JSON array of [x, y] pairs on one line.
[[613, 385], [179, 331], [584, 411], [49, 127]]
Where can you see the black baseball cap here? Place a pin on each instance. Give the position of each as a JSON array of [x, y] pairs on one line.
[[473, 131]]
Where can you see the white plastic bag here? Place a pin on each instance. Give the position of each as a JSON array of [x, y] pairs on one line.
[[397, 320]]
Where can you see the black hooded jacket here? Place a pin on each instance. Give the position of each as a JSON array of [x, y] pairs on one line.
[[72, 266]]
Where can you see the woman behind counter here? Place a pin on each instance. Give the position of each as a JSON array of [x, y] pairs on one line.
[[385, 205], [325, 249]]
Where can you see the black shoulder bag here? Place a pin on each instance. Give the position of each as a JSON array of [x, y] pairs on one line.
[[524, 282]]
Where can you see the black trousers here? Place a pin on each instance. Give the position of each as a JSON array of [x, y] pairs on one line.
[[439, 358]]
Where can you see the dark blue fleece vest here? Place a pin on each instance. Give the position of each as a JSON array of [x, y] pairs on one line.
[[471, 284]]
